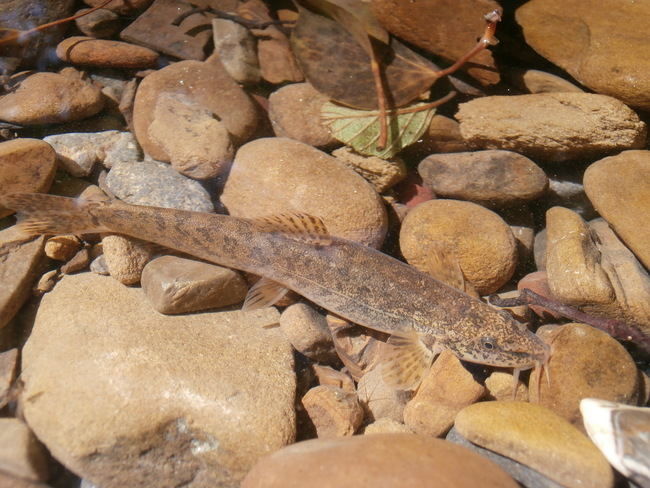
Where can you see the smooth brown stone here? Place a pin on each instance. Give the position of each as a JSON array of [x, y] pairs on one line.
[[602, 43], [176, 285], [21, 454], [377, 460], [68, 98], [333, 411], [8, 368], [104, 53], [306, 329], [26, 165], [123, 7]]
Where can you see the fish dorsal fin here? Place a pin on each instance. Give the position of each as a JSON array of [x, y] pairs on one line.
[[264, 293], [300, 226], [404, 361]]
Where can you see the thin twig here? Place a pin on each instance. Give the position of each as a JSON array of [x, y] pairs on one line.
[[20, 34]]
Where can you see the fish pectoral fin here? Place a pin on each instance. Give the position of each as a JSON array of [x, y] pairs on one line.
[[404, 361], [300, 226], [264, 293]]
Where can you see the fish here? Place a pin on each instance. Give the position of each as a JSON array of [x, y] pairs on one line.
[[295, 252]]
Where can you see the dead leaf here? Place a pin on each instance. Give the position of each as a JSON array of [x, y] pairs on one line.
[[360, 129], [340, 68]]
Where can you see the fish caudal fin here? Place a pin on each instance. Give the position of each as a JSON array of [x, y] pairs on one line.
[[39, 213], [404, 361]]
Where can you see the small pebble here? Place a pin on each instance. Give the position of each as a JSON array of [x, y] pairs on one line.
[[176, 285], [386, 426], [307, 330], [379, 400], [101, 23], [126, 257], [62, 247], [333, 411], [8, 369], [236, 48], [21, 454], [382, 173], [104, 53]]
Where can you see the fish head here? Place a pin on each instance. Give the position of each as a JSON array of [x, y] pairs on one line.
[[500, 342]]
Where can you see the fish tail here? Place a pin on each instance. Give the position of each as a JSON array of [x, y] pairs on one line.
[[39, 213]]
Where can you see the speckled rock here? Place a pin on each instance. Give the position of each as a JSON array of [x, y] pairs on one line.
[[79, 152], [26, 165], [491, 178], [446, 389], [619, 188], [386, 426], [62, 247], [279, 175], [588, 267], [295, 112], [458, 25], [157, 184], [379, 400], [307, 330], [152, 399], [8, 368], [206, 84], [576, 375], [20, 264], [69, 98], [535, 436], [387, 460], [105, 53], [101, 23], [126, 257], [476, 237], [197, 144], [599, 43], [334, 412], [235, 46], [20, 452], [177, 285], [536, 81], [382, 173], [551, 126]]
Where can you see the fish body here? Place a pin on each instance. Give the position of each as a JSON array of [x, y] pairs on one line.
[[351, 280]]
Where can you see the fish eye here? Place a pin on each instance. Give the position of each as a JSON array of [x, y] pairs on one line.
[[488, 343]]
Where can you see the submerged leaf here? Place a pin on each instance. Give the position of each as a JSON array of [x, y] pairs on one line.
[[340, 68], [360, 129]]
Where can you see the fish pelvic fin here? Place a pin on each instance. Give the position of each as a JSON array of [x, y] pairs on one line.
[[404, 361], [39, 213], [264, 293]]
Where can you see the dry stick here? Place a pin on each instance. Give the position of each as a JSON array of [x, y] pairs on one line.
[[381, 97], [615, 328], [20, 34]]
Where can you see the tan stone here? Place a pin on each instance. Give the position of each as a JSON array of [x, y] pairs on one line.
[[368, 461], [382, 173], [126, 257], [533, 435], [21, 259], [20, 452], [105, 53], [491, 178], [536, 81], [442, 136], [237, 50], [386, 426], [279, 175], [500, 385], [68, 98], [206, 84], [26, 165], [154, 400], [197, 145], [121, 6], [307, 330], [551, 126], [8, 367], [585, 363], [445, 391], [477, 238], [458, 25], [380, 400], [329, 376], [63, 247], [333, 411], [177, 285], [619, 189], [295, 112], [602, 44]]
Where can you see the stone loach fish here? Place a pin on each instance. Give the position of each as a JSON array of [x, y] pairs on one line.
[[294, 251]]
